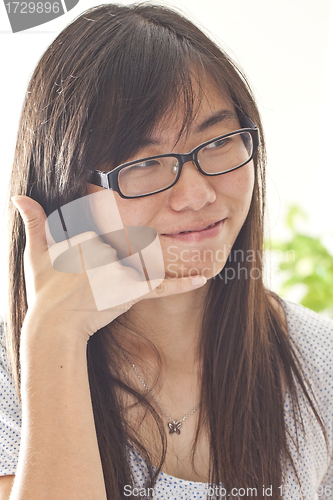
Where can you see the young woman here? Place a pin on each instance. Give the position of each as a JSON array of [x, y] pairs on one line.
[[204, 385]]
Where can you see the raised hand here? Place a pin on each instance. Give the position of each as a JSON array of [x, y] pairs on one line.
[[80, 282]]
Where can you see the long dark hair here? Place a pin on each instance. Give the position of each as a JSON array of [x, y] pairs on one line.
[[96, 94]]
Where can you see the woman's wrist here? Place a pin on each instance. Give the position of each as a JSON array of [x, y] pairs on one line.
[[52, 325]]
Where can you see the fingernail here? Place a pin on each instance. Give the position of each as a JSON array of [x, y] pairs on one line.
[[198, 280], [20, 203]]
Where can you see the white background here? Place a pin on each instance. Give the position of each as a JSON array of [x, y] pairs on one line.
[[285, 48]]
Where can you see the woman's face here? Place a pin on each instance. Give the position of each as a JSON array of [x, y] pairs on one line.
[[195, 201]]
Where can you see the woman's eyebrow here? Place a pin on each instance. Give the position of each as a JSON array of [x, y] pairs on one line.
[[218, 117]]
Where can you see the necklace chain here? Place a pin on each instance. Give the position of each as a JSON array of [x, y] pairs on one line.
[[174, 425]]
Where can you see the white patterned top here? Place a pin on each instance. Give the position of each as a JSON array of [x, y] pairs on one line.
[[313, 334]]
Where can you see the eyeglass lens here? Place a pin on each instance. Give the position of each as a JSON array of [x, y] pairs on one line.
[[152, 175]]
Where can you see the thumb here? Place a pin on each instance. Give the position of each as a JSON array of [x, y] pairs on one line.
[[34, 219]]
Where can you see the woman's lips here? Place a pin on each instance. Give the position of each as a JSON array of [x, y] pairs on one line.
[[209, 232]]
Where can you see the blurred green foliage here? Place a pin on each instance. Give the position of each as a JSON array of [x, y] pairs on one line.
[[306, 261]]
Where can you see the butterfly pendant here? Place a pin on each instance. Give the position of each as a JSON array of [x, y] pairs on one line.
[[174, 427]]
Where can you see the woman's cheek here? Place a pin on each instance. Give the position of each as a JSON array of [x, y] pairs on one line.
[[137, 212], [238, 188]]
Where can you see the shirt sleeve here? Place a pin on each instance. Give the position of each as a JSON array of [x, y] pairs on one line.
[[10, 415]]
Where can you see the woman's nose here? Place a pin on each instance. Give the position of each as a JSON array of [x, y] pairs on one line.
[[193, 190]]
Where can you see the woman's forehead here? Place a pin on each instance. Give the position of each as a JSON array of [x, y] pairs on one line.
[[210, 107]]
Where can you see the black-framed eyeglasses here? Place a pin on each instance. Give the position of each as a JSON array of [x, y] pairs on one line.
[[155, 174]]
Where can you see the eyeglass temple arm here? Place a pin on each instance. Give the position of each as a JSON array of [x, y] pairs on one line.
[[99, 178], [246, 122]]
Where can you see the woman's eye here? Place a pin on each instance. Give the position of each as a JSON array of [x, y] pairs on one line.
[[148, 163], [217, 144]]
